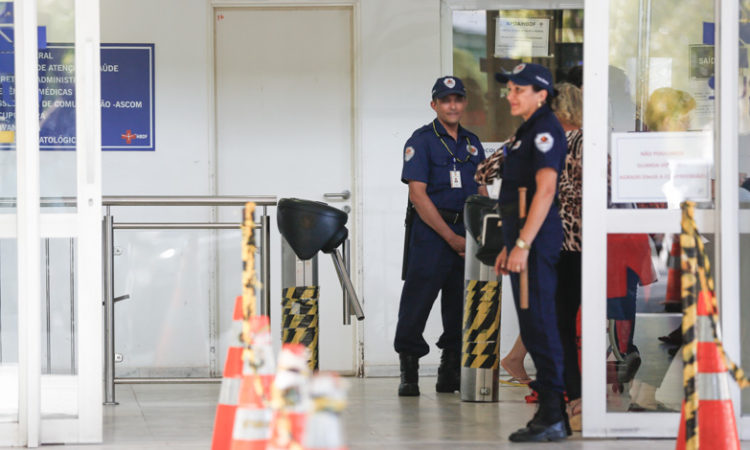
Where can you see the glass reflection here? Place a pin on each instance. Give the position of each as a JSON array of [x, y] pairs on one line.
[[661, 81], [643, 322], [477, 57]]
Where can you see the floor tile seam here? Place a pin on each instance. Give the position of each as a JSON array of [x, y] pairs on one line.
[[142, 413]]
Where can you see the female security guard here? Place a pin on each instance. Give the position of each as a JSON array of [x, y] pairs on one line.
[[533, 159]]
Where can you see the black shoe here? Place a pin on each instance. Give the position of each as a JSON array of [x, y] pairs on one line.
[[549, 422], [627, 369], [449, 372], [673, 338], [536, 432], [409, 386]]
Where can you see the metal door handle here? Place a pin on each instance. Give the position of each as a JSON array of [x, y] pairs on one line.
[[343, 195]]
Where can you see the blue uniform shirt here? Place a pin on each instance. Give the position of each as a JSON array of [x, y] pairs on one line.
[[427, 159], [539, 143]]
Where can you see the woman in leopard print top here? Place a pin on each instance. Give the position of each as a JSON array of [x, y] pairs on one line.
[[568, 109]]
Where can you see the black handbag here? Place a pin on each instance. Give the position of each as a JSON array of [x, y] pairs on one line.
[[483, 223], [491, 242]]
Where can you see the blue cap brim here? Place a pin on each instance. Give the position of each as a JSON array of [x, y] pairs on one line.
[[449, 92], [505, 77]]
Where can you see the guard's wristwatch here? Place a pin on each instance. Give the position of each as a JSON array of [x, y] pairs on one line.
[[520, 243]]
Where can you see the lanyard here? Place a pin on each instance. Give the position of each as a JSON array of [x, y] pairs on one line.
[[468, 143]]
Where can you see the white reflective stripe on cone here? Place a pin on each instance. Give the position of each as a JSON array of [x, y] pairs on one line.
[[703, 330], [712, 386], [252, 424], [230, 391]]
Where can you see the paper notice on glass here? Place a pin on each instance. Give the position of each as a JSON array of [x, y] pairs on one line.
[[661, 167], [702, 116], [519, 37]]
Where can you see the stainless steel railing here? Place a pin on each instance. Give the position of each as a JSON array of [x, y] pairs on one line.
[[109, 226]]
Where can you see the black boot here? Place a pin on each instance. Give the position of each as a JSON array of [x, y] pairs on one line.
[[548, 423], [409, 386], [449, 372]]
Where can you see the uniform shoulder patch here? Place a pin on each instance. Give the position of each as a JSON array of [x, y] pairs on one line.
[[544, 142], [471, 149], [409, 153]]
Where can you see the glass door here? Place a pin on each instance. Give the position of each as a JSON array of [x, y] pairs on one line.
[[650, 144], [50, 223]]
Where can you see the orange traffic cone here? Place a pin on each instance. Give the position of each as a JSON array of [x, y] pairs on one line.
[[673, 297], [324, 428], [289, 398], [716, 425], [253, 418], [230, 386]]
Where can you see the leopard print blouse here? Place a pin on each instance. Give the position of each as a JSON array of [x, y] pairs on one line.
[[491, 168], [569, 191], [569, 187]]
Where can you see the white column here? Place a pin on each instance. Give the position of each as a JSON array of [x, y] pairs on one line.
[[29, 265], [89, 248], [727, 196]]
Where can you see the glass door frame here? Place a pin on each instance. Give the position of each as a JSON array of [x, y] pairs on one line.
[[30, 225], [722, 221]]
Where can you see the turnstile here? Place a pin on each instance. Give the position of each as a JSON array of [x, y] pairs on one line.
[[306, 228], [480, 359]]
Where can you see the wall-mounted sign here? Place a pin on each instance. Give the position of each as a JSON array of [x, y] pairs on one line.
[[661, 167], [519, 37], [127, 97], [701, 61]]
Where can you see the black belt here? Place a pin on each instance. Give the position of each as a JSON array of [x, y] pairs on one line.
[[451, 217]]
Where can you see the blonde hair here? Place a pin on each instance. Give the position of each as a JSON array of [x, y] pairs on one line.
[[664, 104], [568, 104]]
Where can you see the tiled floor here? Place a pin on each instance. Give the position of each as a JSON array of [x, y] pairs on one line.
[[181, 417]]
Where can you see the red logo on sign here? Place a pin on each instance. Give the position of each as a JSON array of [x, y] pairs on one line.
[[128, 136]]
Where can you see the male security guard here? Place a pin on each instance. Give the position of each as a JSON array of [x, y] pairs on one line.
[[439, 164]]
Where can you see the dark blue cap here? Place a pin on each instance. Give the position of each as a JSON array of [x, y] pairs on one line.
[[447, 86], [526, 74]]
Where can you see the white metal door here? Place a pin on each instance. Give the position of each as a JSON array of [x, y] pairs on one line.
[[624, 73], [284, 94], [53, 407]]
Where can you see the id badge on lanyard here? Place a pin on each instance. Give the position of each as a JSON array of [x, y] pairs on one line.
[[455, 178]]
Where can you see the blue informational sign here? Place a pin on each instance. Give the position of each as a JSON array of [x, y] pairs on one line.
[[128, 97], [127, 91]]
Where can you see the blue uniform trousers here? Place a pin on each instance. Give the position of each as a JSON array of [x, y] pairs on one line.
[[433, 266], [538, 323]]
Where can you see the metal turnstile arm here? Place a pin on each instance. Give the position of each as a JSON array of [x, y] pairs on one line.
[[346, 283]]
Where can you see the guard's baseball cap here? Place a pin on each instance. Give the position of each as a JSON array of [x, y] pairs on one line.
[[448, 85], [526, 74]]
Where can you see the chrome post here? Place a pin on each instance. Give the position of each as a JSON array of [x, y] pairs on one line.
[[346, 283], [345, 248], [265, 263], [109, 308]]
